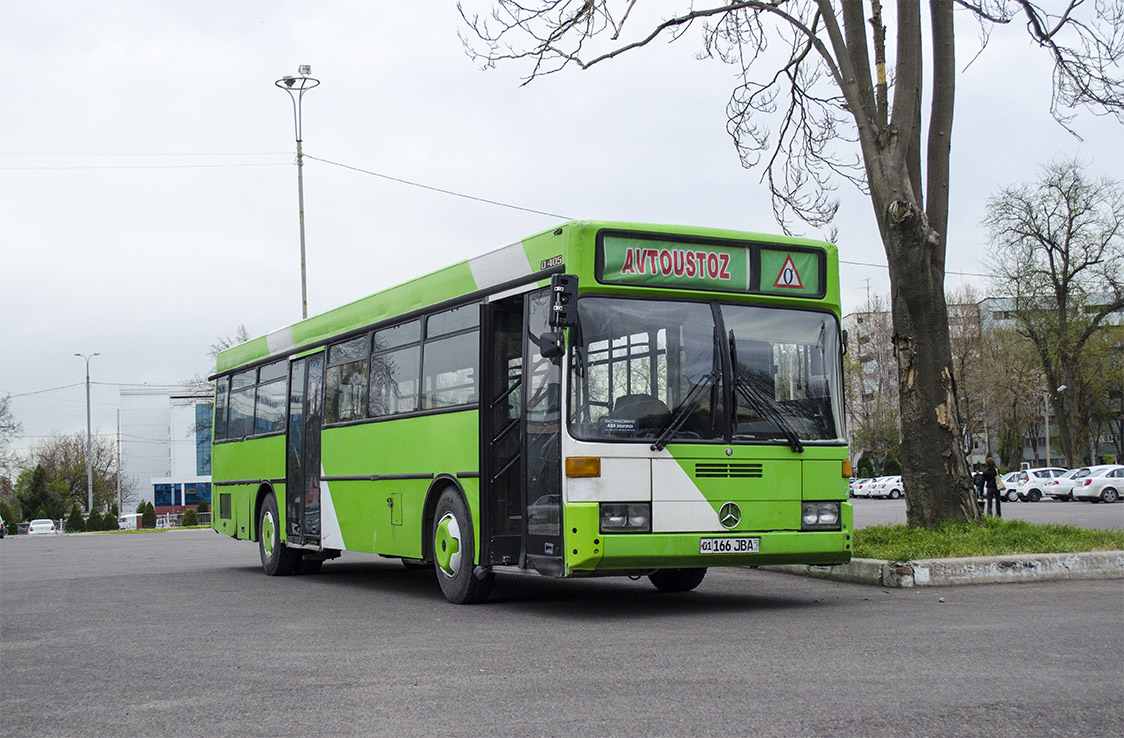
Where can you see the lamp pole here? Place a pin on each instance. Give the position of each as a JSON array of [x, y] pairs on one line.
[[1046, 411], [296, 87], [89, 438]]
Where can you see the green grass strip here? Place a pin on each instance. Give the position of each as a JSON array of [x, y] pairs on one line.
[[992, 537]]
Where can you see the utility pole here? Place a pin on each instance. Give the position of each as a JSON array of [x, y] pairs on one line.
[[89, 438]]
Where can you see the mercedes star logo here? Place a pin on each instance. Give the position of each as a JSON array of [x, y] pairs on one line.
[[730, 515]]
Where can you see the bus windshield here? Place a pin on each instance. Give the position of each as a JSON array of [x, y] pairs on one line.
[[668, 371]]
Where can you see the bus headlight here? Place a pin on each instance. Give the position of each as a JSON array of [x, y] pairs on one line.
[[626, 517], [819, 516]]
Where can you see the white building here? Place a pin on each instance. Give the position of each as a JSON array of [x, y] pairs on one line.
[[166, 447]]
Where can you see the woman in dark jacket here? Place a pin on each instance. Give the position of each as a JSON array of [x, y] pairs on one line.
[[990, 476]]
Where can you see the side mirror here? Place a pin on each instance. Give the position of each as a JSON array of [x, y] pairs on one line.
[[552, 345], [564, 292], [844, 337]]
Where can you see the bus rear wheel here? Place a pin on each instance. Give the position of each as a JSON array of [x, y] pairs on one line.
[[277, 559], [677, 580], [454, 552]]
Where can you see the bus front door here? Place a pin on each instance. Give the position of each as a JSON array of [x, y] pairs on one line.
[[302, 467], [521, 443]]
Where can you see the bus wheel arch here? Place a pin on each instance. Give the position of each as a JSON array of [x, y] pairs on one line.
[[264, 490], [440, 483]]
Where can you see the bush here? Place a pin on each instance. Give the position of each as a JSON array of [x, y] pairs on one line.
[[148, 516], [203, 507], [93, 522], [74, 521], [109, 522], [866, 468], [190, 517]]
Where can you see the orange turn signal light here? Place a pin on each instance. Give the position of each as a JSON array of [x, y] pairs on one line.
[[847, 469], [583, 466]]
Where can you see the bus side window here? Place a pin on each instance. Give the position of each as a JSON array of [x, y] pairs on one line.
[[346, 395]]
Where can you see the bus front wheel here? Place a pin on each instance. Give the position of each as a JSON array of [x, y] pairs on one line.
[[277, 559], [677, 580], [454, 552]]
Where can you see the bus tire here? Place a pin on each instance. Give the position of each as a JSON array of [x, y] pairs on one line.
[[454, 552], [676, 580], [277, 559]]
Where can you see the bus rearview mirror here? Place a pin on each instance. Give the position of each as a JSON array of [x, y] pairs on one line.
[[564, 292]]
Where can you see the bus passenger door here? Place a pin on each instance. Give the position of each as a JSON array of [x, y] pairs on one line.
[[520, 438], [542, 392], [302, 451]]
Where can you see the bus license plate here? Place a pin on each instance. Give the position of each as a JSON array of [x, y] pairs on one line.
[[729, 545]]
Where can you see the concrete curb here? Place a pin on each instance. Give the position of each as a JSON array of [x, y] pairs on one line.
[[980, 570]]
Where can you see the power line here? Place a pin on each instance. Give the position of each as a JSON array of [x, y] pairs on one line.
[[437, 189]]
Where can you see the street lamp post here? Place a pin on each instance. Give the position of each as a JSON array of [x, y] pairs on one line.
[[89, 438], [296, 87], [1046, 413]]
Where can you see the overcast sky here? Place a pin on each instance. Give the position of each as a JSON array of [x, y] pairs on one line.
[[148, 195]]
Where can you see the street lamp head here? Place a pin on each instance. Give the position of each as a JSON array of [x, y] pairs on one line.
[[305, 70], [289, 81]]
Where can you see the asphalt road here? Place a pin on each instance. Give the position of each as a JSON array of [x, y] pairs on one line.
[[1081, 514], [180, 634]]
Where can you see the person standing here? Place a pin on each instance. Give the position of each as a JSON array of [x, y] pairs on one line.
[[990, 479]]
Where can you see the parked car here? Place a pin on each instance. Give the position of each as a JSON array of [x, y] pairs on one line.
[[1031, 483], [862, 488], [1061, 488], [42, 527], [1104, 486], [3, 528], [890, 487], [869, 488], [1009, 493]]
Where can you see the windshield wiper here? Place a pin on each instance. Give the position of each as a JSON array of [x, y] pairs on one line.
[[744, 387], [681, 413]]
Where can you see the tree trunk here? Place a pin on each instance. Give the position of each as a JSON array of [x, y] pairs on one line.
[[939, 484]]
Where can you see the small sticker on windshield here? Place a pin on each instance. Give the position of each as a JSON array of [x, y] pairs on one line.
[[619, 425]]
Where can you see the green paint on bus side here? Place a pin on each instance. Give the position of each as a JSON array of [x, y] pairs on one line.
[[415, 446]]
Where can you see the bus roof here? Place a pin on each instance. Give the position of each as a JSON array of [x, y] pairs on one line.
[[532, 259]]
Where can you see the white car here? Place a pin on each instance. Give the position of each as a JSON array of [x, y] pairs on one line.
[[891, 487], [870, 488], [862, 488], [42, 527], [1105, 486], [1030, 484], [1061, 488], [1009, 493]]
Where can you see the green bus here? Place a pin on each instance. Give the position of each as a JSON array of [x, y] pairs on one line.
[[599, 399]]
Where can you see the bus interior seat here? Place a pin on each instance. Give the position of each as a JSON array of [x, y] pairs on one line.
[[636, 407]]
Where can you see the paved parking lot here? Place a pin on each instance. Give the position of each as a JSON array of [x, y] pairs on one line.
[[1081, 514], [180, 634]]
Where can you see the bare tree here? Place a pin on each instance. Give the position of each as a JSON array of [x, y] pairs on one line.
[[1059, 249], [10, 428], [63, 459], [833, 116]]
